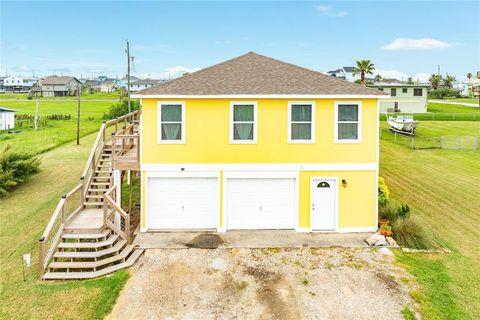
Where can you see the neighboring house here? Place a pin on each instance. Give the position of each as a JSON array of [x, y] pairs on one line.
[[347, 73], [142, 84], [7, 118], [122, 83], [59, 86], [1, 84], [19, 84], [409, 98], [257, 143], [107, 85]]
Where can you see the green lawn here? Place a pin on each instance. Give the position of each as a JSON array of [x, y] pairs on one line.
[[94, 96], [57, 132], [466, 100], [442, 187], [24, 215]]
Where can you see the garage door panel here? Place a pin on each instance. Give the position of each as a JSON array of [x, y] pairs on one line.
[[183, 203], [261, 203]]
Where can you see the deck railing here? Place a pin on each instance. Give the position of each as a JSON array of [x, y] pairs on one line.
[[126, 146], [114, 216], [73, 202], [69, 205]]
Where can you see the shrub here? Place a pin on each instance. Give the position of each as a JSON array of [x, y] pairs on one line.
[[442, 93], [15, 168], [121, 108], [383, 192], [387, 212], [409, 233], [403, 211]]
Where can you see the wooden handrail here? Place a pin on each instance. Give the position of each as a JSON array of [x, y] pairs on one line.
[[53, 218]]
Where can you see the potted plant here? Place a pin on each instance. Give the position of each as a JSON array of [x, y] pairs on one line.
[[386, 230], [383, 221]]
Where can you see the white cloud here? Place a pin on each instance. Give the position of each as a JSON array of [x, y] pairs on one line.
[[400, 75], [169, 73], [416, 44], [328, 10]]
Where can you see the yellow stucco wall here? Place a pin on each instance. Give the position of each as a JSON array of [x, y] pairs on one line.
[[208, 135], [356, 202]]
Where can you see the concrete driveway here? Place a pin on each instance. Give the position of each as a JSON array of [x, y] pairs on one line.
[[301, 283]]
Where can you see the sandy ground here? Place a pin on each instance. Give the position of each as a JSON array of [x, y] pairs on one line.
[[326, 283]]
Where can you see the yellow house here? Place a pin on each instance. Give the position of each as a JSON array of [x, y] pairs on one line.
[[257, 143]]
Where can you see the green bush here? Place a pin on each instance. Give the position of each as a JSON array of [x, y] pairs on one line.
[[403, 211], [15, 168], [442, 93], [409, 233], [387, 212], [121, 108]]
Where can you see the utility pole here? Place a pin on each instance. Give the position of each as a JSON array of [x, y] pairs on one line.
[[438, 72], [36, 111], [128, 75], [79, 87]]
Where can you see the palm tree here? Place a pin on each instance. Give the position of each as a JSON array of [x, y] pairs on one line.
[[435, 80], [469, 76], [378, 78], [410, 80], [448, 81], [364, 67]]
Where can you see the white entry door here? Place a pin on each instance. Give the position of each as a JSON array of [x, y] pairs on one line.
[[183, 203], [260, 203], [323, 193]]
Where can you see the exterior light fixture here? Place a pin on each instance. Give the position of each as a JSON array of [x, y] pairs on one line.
[[344, 183]]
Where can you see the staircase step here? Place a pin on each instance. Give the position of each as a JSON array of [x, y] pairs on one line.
[[103, 171], [99, 183], [88, 236], [94, 196], [88, 245], [87, 203], [97, 190], [93, 274], [93, 264], [91, 254]]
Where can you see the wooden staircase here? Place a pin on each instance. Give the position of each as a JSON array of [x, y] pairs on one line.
[[93, 236]]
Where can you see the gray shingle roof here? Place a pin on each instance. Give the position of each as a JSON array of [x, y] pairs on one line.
[[57, 80], [254, 74]]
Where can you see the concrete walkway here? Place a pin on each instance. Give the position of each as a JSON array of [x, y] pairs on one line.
[[255, 239], [456, 103]]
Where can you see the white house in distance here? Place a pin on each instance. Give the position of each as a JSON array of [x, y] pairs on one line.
[[143, 84], [347, 73], [406, 98], [19, 84], [59, 86], [7, 118]]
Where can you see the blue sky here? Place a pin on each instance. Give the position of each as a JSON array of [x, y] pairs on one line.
[[87, 37]]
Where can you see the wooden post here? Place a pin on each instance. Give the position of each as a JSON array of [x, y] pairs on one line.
[[64, 197], [127, 229], [103, 132], [41, 256], [78, 113], [82, 190], [138, 148], [114, 143], [116, 124]]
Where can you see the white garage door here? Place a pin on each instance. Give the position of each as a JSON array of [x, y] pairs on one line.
[[182, 203], [261, 203]]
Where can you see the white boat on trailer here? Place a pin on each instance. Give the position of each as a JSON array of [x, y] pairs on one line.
[[403, 124]]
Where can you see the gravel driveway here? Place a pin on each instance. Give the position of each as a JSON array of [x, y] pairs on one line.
[[327, 283]]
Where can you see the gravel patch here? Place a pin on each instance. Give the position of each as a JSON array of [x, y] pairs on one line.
[[306, 283]]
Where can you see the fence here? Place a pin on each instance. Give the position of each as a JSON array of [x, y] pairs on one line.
[[439, 116], [440, 142]]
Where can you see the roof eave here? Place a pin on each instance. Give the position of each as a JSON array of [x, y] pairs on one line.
[[260, 96]]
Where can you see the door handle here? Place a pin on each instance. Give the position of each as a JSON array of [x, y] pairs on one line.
[[260, 208], [183, 208], [313, 206]]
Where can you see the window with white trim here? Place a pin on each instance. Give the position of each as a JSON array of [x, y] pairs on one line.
[[243, 122], [301, 122], [171, 123], [348, 122]]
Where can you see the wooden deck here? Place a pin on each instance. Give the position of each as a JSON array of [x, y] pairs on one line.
[[86, 220]]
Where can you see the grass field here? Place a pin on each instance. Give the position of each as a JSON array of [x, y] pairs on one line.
[[442, 187], [466, 100], [24, 215], [446, 112], [94, 96], [57, 132]]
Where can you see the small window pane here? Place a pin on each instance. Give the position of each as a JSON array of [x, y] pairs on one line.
[[417, 92], [243, 113], [301, 112], [243, 131], [301, 131], [393, 92], [172, 113], [348, 112], [404, 90], [347, 131], [171, 131]]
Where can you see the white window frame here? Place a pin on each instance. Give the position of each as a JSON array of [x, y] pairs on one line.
[[312, 127], [359, 127], [255, 121], [159, 120]]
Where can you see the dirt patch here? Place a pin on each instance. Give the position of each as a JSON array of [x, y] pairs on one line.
[[205, 241], [272, 283]]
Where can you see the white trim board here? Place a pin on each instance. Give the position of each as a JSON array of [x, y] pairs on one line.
[[201, 167], [259, 96], [312, 122]]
